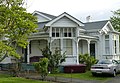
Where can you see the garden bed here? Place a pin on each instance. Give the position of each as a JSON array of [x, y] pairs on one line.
[[74, 68]]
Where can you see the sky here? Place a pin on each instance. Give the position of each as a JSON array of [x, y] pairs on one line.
[[80, 9]]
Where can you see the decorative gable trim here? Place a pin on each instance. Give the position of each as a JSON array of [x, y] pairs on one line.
[[109, 23], [105, 30], [65, 15], [36, 12]]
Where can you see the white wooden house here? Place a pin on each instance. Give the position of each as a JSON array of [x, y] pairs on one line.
[[99, 39]]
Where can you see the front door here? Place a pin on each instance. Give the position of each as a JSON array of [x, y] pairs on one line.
[[92, 49]]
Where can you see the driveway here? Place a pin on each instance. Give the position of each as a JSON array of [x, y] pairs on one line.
[[114, 80], [69, 80]]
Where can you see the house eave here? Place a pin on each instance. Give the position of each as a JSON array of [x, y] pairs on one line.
[[88, 37], [116, 32], [36, 12]]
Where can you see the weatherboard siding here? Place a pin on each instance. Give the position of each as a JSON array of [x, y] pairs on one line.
[[37, 45], [64, 22]]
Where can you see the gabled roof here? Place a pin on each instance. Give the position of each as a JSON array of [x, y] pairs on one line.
[[48, 16], [68, 16], [95, 25], [42, 24]]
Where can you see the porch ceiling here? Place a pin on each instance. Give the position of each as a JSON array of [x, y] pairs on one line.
[[88, 37], [38, 36]]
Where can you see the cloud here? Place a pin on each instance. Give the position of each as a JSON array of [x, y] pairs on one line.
[[76, 8]]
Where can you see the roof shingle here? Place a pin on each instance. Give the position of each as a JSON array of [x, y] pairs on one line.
[[95, 25], [48, 15]]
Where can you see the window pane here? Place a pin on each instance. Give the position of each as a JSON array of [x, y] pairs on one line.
[[69, 34], [107, 49], [106, 43], [67, 45], [115, 46], [106, 36], [68, 50], [55, 44], [53, 34], [57, 35], [65, 34]]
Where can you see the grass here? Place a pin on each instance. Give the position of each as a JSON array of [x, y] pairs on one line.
[[83, 76], [8, 79]]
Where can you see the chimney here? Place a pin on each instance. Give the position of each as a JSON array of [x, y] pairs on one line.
[[88, 18]]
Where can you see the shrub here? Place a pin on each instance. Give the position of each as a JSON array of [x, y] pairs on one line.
[[55, 59], [87, 60], [42, 67]]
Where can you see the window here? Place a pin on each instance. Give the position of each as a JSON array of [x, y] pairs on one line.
[[104, 62], [63, 32], [57, 35], [107, 48], [115, 46], [106, 36], [56, 44], [115, 39], [67, 46], [69, 32], [55, 32]]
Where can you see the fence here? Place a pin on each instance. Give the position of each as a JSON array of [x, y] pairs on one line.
[[23, 67]]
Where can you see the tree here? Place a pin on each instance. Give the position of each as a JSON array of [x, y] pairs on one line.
[[87, 60], [42, 67], [55, 59], [46, 52], [15, 27], [115, 20]]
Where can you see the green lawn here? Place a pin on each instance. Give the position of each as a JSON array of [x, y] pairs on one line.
[[83, 76], [8, 79]]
